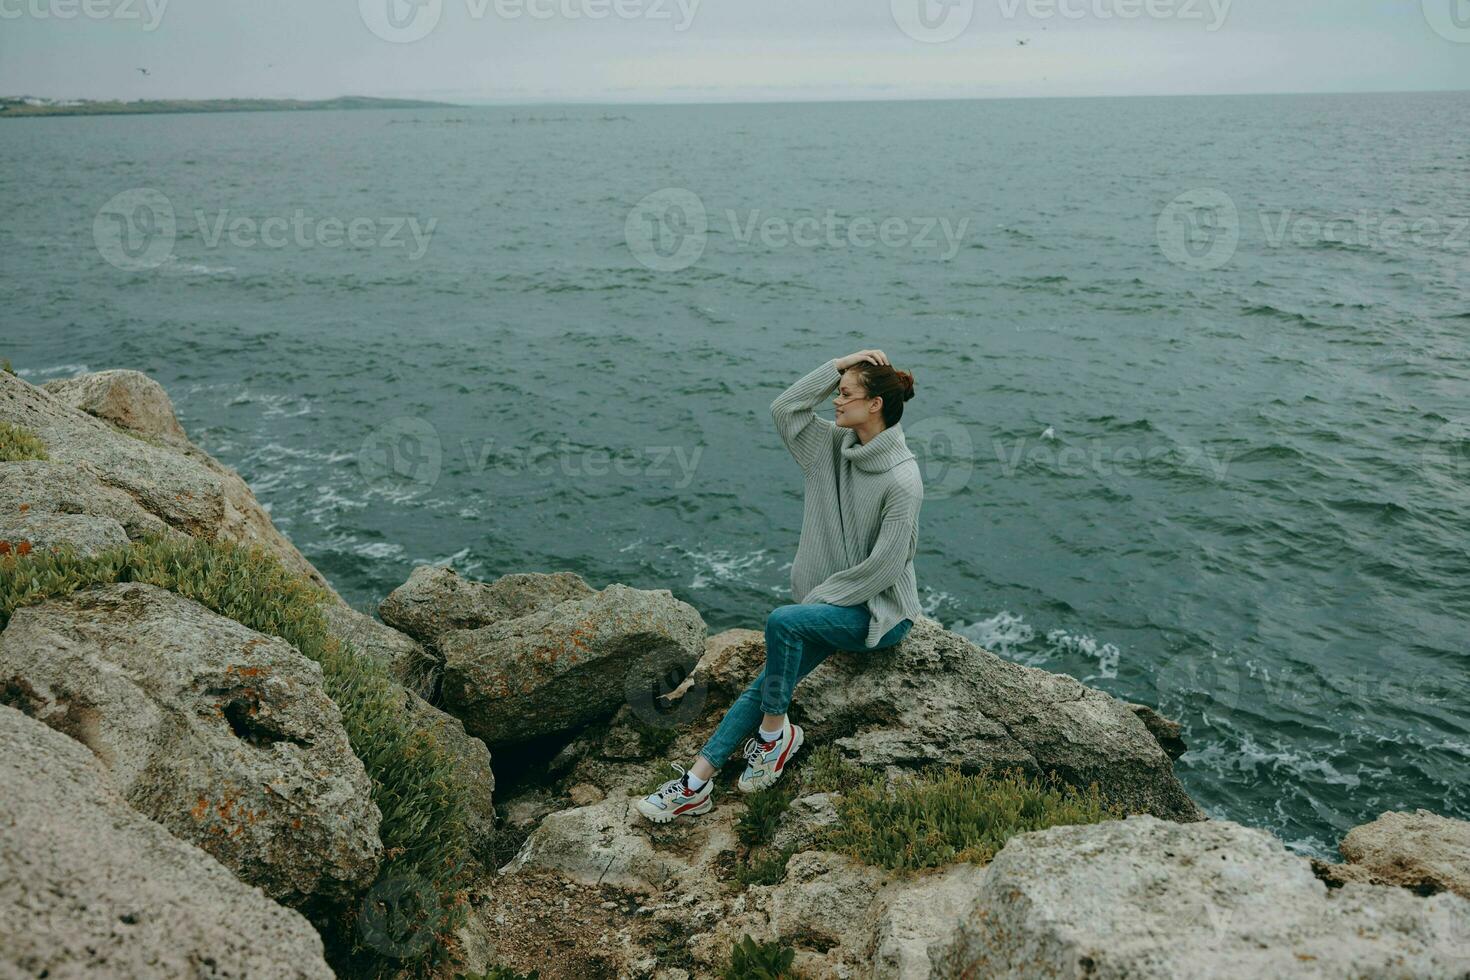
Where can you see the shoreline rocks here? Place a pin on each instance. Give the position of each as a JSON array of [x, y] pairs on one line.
[[222, 735], [1148, 898], [91, 887]]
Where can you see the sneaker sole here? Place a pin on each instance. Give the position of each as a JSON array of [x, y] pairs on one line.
[[667, 816], [767, 778]]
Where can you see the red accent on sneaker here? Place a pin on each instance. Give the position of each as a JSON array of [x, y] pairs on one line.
[[686, 806], [781, 762]]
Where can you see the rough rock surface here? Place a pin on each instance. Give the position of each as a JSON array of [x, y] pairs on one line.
[[436, 599], [406, 659], [936, 697], [221, 734], [91, 888], [172, 480], [43, 487], [566, 664], [1147, 898], [128, 399], [84, 533], [1421, 851]]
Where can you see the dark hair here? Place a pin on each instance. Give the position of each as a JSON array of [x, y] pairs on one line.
[[883, 381]]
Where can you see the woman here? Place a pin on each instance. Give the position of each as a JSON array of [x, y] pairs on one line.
[[853, 578]]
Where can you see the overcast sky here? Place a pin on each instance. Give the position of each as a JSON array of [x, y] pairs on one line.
[[718, 50]]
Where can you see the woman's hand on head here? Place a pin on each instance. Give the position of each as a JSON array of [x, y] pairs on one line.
[[871, 356]]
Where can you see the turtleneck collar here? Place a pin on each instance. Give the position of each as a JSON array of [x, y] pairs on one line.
[[883, 452]]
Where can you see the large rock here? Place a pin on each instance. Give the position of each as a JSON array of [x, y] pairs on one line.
[[35, 487], [913, 916], [937, 697], [406, 659], [89, 887], [436, 599], [1421, 851], [131, 447], [567, 663], [221, 734], [128, 399], [415, 669], [82, 533], [1144, 898]]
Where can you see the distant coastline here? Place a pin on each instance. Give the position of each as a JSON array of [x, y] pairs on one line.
[[18, 106]]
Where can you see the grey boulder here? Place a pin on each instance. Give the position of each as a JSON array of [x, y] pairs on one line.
[[84, 534], [89, 887], [1144, 898], [221, 734], [566, 663], [436, 599], [938, 698]]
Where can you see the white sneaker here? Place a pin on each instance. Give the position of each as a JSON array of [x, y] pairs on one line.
[[675, 799], [767, 760]]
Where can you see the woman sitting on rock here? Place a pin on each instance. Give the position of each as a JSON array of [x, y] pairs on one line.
[[853, 577]]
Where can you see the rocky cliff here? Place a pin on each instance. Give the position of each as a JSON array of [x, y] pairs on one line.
[[207, 775]]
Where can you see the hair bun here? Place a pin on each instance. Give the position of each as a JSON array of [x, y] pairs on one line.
[[908, 384]]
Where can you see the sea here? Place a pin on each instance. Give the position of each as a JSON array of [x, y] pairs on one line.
[[1192, 374]]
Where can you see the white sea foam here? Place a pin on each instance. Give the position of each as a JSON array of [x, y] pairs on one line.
[[1000, 634], [1106, 654]]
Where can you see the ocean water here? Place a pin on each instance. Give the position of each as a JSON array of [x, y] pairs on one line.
[[1193, 393]]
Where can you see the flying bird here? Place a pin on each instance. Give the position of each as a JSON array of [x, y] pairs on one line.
[[1022, 42], [143, 70]]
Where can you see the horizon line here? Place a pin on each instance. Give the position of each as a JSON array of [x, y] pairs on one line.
[[511, 102]]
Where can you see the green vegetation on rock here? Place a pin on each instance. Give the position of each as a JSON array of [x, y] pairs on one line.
[[17, 444], [423, 809], [943, 816]]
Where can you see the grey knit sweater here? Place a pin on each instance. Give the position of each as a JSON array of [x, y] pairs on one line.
[[860, 524]]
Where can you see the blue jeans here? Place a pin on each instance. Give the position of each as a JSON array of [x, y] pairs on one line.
[[799, 636]]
